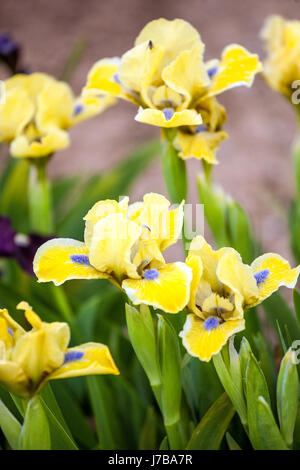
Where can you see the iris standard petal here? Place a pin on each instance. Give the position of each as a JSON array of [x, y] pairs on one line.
[[112, 245], [54, 106], [86, 359], [15, 114], [277, 272], [196, 265], [62, 259], [203, 342], [169, 290]]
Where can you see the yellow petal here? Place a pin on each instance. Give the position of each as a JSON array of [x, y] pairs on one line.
[[204, 343], [55, 106], [187, 74], [172, 37], [13, 378], [100, 210], [15, 113], [201, 145], [53, 262], [40, 351], [195, 263], [238, 276], [210, 258], [169, 290], [46, 144], [138, 67], [164, 225], [86, 359], [273, 271], [237, 67], [112, 245], [155, 117]]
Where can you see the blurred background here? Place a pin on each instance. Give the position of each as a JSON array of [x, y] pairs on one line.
[[255, 162]]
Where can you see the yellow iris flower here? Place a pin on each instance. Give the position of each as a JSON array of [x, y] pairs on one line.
[[29, 359], [37, 112], [124, 244], [282, 65], [223, 287], [166, 76]]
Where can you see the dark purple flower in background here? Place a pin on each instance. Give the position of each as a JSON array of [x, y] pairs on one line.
[[9, 52], [19, 246]]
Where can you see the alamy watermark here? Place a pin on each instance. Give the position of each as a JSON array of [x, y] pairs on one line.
[[295, 98]]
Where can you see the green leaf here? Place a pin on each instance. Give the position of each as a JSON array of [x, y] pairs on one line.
[[60, 438], [148, 434], [142, 336], [268, 431], [214, 201], [277, 309], [164, 444], [210, 431], [174, 169], [35, 433], [232, 444], [287, 396], [170, 362], [256, 386], [240, 231], [10, 426]]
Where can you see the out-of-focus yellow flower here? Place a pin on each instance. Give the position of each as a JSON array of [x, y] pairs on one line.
[[37, 112], [165, 75], [124, 245], [28, 359], [223, 287], [282, 65]]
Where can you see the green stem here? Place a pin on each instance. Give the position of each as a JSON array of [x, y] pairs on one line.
[[207, 170], [62, 302], [40, 201], [175, 435], [174, 172]]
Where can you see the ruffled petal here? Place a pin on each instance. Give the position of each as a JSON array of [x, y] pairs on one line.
[[54, 106], [53, 262], [196, 265], [201, 145], [237, 67], [155, 117], [167, 289], [15, 113], [172, 37], [112, 245], [272, 271], [187, 74], [204, 343], [238, 277], [86, 359], [23, 147]]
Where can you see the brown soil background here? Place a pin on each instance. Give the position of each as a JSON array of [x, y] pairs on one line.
[[255, 162]]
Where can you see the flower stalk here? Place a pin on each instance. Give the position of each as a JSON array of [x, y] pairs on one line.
[[40, 200]]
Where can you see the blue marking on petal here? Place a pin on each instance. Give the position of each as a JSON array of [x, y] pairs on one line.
[[201, 128], [78, 109], [147, 227], [81, 259], [116, 79], [261, 276], [212, 71], [73, 356], [10, 331], [211, 323], [150, 274], [168, 113]]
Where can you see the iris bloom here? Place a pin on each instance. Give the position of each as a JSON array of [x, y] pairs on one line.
[[9, 52], [282, 65], [166, 76], [124, 245], [29, 359], [222, 288], [37, 112], [19, 246]]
